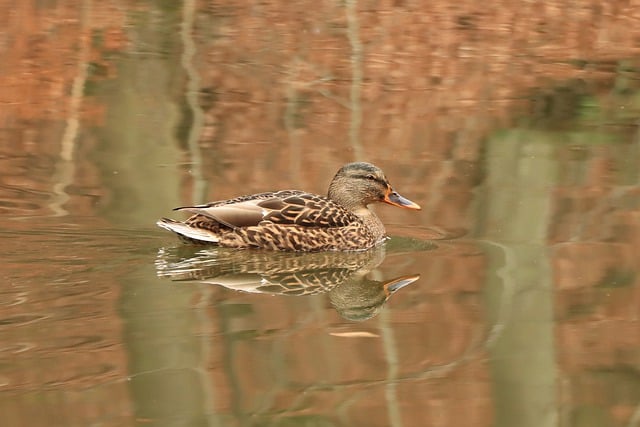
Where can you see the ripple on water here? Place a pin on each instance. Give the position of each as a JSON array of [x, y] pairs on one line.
[[21, 319], [60, 325]]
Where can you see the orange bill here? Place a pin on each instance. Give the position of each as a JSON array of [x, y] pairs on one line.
[[395, 199]]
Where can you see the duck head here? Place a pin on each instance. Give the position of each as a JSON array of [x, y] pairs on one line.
[[359, 184]]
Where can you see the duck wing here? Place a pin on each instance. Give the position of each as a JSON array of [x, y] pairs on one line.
[[288, 207]]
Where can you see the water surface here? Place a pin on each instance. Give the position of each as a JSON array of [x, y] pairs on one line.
[[510, 299]]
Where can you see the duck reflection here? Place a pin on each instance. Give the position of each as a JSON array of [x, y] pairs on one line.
[[345, 276]]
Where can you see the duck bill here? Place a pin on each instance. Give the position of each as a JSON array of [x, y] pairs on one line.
[[395, 199], [399, 283]]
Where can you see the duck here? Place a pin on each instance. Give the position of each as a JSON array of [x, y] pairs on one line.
[[295, 220]]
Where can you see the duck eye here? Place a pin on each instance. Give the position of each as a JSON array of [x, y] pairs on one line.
[[371, 177]]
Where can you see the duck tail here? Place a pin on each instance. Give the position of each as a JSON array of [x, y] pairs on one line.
[[183, 230]]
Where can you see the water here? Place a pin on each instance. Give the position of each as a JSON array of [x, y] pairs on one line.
[[511, 299]]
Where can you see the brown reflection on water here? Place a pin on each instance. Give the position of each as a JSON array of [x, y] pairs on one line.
[[60, 333], [274, 106], [596, 236], [513, 125], [283, 357]]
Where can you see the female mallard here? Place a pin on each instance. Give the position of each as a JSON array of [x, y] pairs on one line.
[[294, 220]]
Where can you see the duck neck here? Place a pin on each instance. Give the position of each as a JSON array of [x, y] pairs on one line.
[[371, 221], [342, 194]]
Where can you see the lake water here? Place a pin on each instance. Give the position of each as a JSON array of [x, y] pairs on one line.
[[511, 299]]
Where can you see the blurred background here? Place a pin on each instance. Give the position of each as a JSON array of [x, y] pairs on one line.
[[514, 124]]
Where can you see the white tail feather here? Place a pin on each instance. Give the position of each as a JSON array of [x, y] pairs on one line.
[[186, 231]]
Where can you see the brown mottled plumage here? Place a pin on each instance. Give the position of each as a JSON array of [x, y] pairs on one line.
[[294, 220]]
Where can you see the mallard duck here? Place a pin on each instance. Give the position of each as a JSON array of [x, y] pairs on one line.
[[294, 220]]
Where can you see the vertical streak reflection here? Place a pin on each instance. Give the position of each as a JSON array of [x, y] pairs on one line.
[[521, 167], [391, 354], [65, 167], [353, 32], [193, 89]]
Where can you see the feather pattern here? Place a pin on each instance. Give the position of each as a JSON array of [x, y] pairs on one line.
[[295, 220]]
